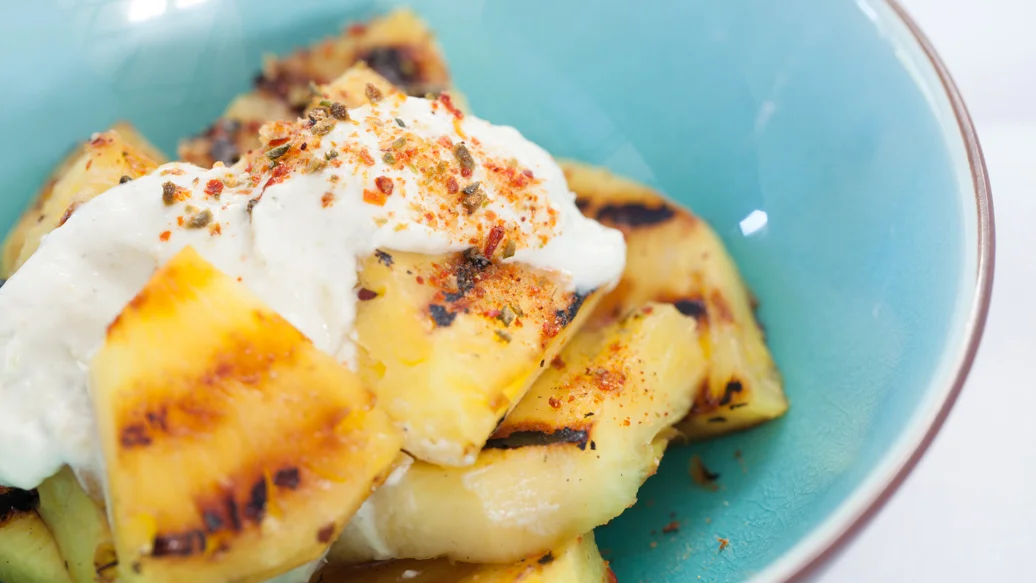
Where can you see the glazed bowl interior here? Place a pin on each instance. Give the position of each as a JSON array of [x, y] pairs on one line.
[[814, 135]]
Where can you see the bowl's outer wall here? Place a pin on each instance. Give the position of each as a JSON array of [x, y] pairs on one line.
[[798, 109]]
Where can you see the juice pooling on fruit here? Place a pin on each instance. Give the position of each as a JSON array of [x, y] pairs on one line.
[[405, 174]]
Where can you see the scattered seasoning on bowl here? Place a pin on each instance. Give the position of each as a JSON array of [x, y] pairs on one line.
[[702, 476], [672, 527], [722, 543], [741, 461]]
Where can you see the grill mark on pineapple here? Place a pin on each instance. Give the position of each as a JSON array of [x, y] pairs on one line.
[[721, 308], [705, 402], [693, 307], [563, 317], [185, 544], [196, 411], [287, 478], [634, 215], [14, 502], [733, 386], [256, 507], [441, 316], [324, 534], [568, 314], [383, 258], [577, 436], [135, 435]]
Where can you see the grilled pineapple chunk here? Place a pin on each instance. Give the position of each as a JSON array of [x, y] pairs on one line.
[[80, 528], [450, 344], [27, 550], [398, 46], [234, 449], [577, 561], [98, 166], [350, 89], [673, 256], [570, 457]]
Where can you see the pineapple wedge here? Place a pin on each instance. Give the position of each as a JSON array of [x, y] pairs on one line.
[[27, 550], [350, 89], [398, 46], [80, 528], [569, 458], [577, 561], [234, 449], [450, 344], [674, 256], [98, 166]]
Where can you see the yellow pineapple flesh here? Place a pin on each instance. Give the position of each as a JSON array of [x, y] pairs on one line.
[[569, 458], [99, 165], [234, 450], [398, 46], [576, 561], [450, 344], [28, 553], [674, 256], [80, 528]]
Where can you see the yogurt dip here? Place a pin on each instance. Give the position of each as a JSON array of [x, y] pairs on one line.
[[290, 221]]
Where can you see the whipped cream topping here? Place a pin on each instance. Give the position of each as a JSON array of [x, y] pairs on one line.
[[290, 221]]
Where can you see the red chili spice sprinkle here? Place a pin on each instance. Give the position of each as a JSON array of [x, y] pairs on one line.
[[673, 526], [327, 200], [214, 188], [447, 101], [384, 184], [452, 186], [374, 197], [496, 234], [365, 156], [723, 543], [611, 576], [278, 142], [164, 236], [365, 294], [554, 403], [609, 380]]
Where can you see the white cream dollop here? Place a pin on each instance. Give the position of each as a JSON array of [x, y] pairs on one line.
[[294, 239]]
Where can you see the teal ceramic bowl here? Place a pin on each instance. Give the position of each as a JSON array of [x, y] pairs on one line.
[[822, 139]]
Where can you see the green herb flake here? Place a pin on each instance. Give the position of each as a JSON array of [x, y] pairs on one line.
[[200, 220], [509, 249], [278, 151], [472, 202], [464, 157], [506, 316]]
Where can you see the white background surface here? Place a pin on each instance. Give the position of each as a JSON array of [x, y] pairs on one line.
[[968, 512]]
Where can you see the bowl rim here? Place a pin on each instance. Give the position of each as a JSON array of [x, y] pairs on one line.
[[853, 524]]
